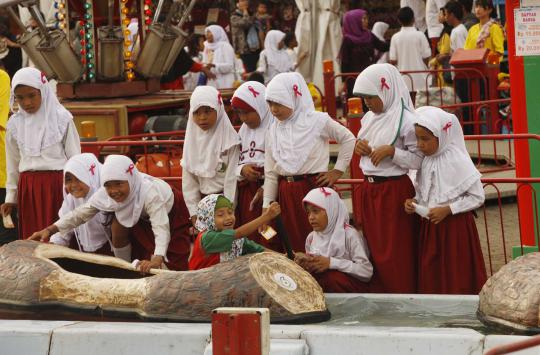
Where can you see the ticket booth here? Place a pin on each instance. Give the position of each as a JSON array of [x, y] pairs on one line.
[[479, 70]]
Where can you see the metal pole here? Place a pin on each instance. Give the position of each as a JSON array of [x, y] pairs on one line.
[[16, 18]]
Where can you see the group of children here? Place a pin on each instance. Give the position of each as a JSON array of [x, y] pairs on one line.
[[276, 167]]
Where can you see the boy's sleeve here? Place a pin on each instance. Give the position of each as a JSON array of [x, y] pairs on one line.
[[251, 247], [217, 242], [393, 50]]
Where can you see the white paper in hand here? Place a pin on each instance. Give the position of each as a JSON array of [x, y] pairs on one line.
[[421, 210], [268, 233]]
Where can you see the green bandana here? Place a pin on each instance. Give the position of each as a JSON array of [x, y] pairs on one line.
[[223, 201]]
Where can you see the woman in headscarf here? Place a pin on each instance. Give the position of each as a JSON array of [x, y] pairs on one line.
[[41, 137], [219, 57], [359, 44]]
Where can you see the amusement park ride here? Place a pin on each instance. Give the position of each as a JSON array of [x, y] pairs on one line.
[[114, 77]]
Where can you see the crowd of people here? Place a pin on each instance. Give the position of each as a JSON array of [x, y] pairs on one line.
[[237, 187]]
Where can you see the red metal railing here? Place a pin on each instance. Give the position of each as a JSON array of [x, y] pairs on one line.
[[517, 346]]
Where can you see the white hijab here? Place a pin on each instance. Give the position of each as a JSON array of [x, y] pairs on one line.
[[253, 94], [331, 241], [219, 35], [85, 167], [121, 168], [379, 29], [203, 149], [278, 58], [449, 172], [37, 131], [293, 139], [384, 81]]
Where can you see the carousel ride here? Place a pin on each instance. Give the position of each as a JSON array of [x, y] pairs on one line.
[[116, 58]]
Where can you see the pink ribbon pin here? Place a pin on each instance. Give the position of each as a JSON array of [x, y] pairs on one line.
[[253, 91], [296, 91], [325, 193], [447, 126], [384, 84], [92, 167], [130, 169]]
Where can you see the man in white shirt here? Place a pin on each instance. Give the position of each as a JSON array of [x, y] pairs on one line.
[[419, 9], [454, 16], [409, 50]]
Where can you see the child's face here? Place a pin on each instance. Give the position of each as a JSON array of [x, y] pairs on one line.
[[28, 98], [373, 103], [426, 141], [209, 37], [280, 111], [288, 13], [317, 217], [75, 187], [205, 117], [251, 118], [482, 12], [118, 190], [224, 218], [261, 9], [442, 16], [201, 44]]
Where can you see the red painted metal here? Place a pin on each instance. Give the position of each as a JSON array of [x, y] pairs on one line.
[[236, 334], [513, 347]]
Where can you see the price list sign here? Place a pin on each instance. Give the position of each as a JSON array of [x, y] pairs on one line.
[[527, 23]]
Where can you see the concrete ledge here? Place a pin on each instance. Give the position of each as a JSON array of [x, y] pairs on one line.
[[26, 336], [130, 338], [380, 340], [279, 347]]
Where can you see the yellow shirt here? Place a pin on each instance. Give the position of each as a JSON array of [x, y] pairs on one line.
[[495, 41], [5, 89]]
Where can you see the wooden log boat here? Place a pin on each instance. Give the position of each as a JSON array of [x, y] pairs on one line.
[[40, 276], [510, 299]]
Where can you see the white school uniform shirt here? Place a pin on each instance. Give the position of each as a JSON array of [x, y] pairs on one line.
[[316, 162], [419, 9], [448, 177], [53, 157], [355, 261], [221, 54], [273, 60], [409, 47], [432, 17], [156, 213], [458, 36]]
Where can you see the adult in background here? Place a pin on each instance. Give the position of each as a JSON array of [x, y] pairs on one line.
[[359, 44], [242, 26]]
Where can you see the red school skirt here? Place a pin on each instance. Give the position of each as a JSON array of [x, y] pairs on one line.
[[450, 255], [391, 234], [334, 281], [246, 192], [143, 240], [39, 198], [295, 219]]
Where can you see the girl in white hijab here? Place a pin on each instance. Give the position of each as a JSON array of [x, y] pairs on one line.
[[146, 213], [249, 103], [211, 150], [81, 181], [379, 29], [449, 185], [297, 152], [41, 137], [387, 146], [274, 58], [336, 253], [219, 57]]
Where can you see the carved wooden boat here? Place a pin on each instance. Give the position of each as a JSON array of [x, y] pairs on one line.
[[510, 299], [35, 275]]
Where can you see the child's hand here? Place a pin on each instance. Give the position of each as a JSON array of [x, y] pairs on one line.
[[409, 208], [437, 214], [300, 259], [154, 263], [362, 147], [329, 178], [41, 236], [250, 173], [381, 153], [256, 199], [318, 264], [273, 210], [7, 208]]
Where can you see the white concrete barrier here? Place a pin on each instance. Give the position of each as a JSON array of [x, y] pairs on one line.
[[96, 338], [279, 347], [19, 337], [381, 340]]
